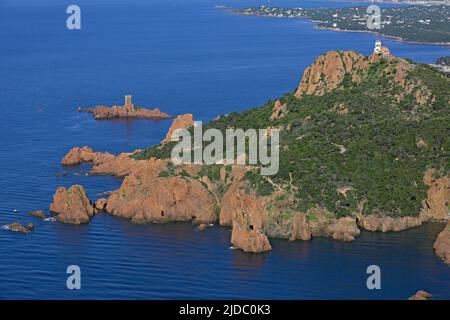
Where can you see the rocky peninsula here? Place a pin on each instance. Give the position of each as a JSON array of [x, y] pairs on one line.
[[128, 110], [362, 149]]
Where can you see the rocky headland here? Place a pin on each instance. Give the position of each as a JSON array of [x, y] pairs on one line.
[[128, 110], [381, 166], [442, 244]]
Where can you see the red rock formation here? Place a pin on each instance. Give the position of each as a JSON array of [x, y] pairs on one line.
[[279, 109], [78, 155], [17, 227], [100, 204], [344, 229], [300, 228], [246, 213], [183, 121], [37, 214], [145, 198], [442, 244], [328, 72], [324, 224], [108, 164], [438, 197], [128, 110], [420, 295], [72, 206], [373, 222]]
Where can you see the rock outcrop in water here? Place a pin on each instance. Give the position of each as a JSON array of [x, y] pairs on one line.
[[420, 295], [128, 110], [72, 205], [108, 164], [246, 213], [100, 204], [442, 244], [37, 214]]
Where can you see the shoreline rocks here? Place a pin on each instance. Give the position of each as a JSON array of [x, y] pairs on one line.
[[300, 229], [442, 244], [374, 222], [72, 205], [146, 198]]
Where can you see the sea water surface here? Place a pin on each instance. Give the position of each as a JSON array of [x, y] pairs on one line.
[[179, 56]]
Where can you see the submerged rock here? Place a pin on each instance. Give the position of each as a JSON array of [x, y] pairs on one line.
[[72, 206], [37, 214], [202, 227], [17, 227]]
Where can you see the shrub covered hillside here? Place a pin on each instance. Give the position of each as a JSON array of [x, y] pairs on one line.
[[356, 136]]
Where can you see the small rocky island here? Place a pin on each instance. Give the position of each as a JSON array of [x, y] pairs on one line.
[[128, 110]]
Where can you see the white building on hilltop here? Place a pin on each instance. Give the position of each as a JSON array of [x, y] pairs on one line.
[[379, 50]]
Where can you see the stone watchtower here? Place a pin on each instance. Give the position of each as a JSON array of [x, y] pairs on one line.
[[128, 102]]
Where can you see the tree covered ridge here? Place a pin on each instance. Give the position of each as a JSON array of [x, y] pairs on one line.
[[362, 147]]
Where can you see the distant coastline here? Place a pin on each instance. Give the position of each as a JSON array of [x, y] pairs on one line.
[[352, 19], [397, 38]]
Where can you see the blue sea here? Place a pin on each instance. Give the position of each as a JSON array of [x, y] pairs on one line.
[[179, 56]]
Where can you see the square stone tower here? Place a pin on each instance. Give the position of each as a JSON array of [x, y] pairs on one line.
[[128, 102]]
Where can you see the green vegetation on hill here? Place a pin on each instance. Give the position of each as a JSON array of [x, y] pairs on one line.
[[378, 148]]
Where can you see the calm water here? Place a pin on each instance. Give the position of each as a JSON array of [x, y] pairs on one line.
[[181, 58]]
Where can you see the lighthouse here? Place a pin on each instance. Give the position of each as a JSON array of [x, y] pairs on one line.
[[379, 50]]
